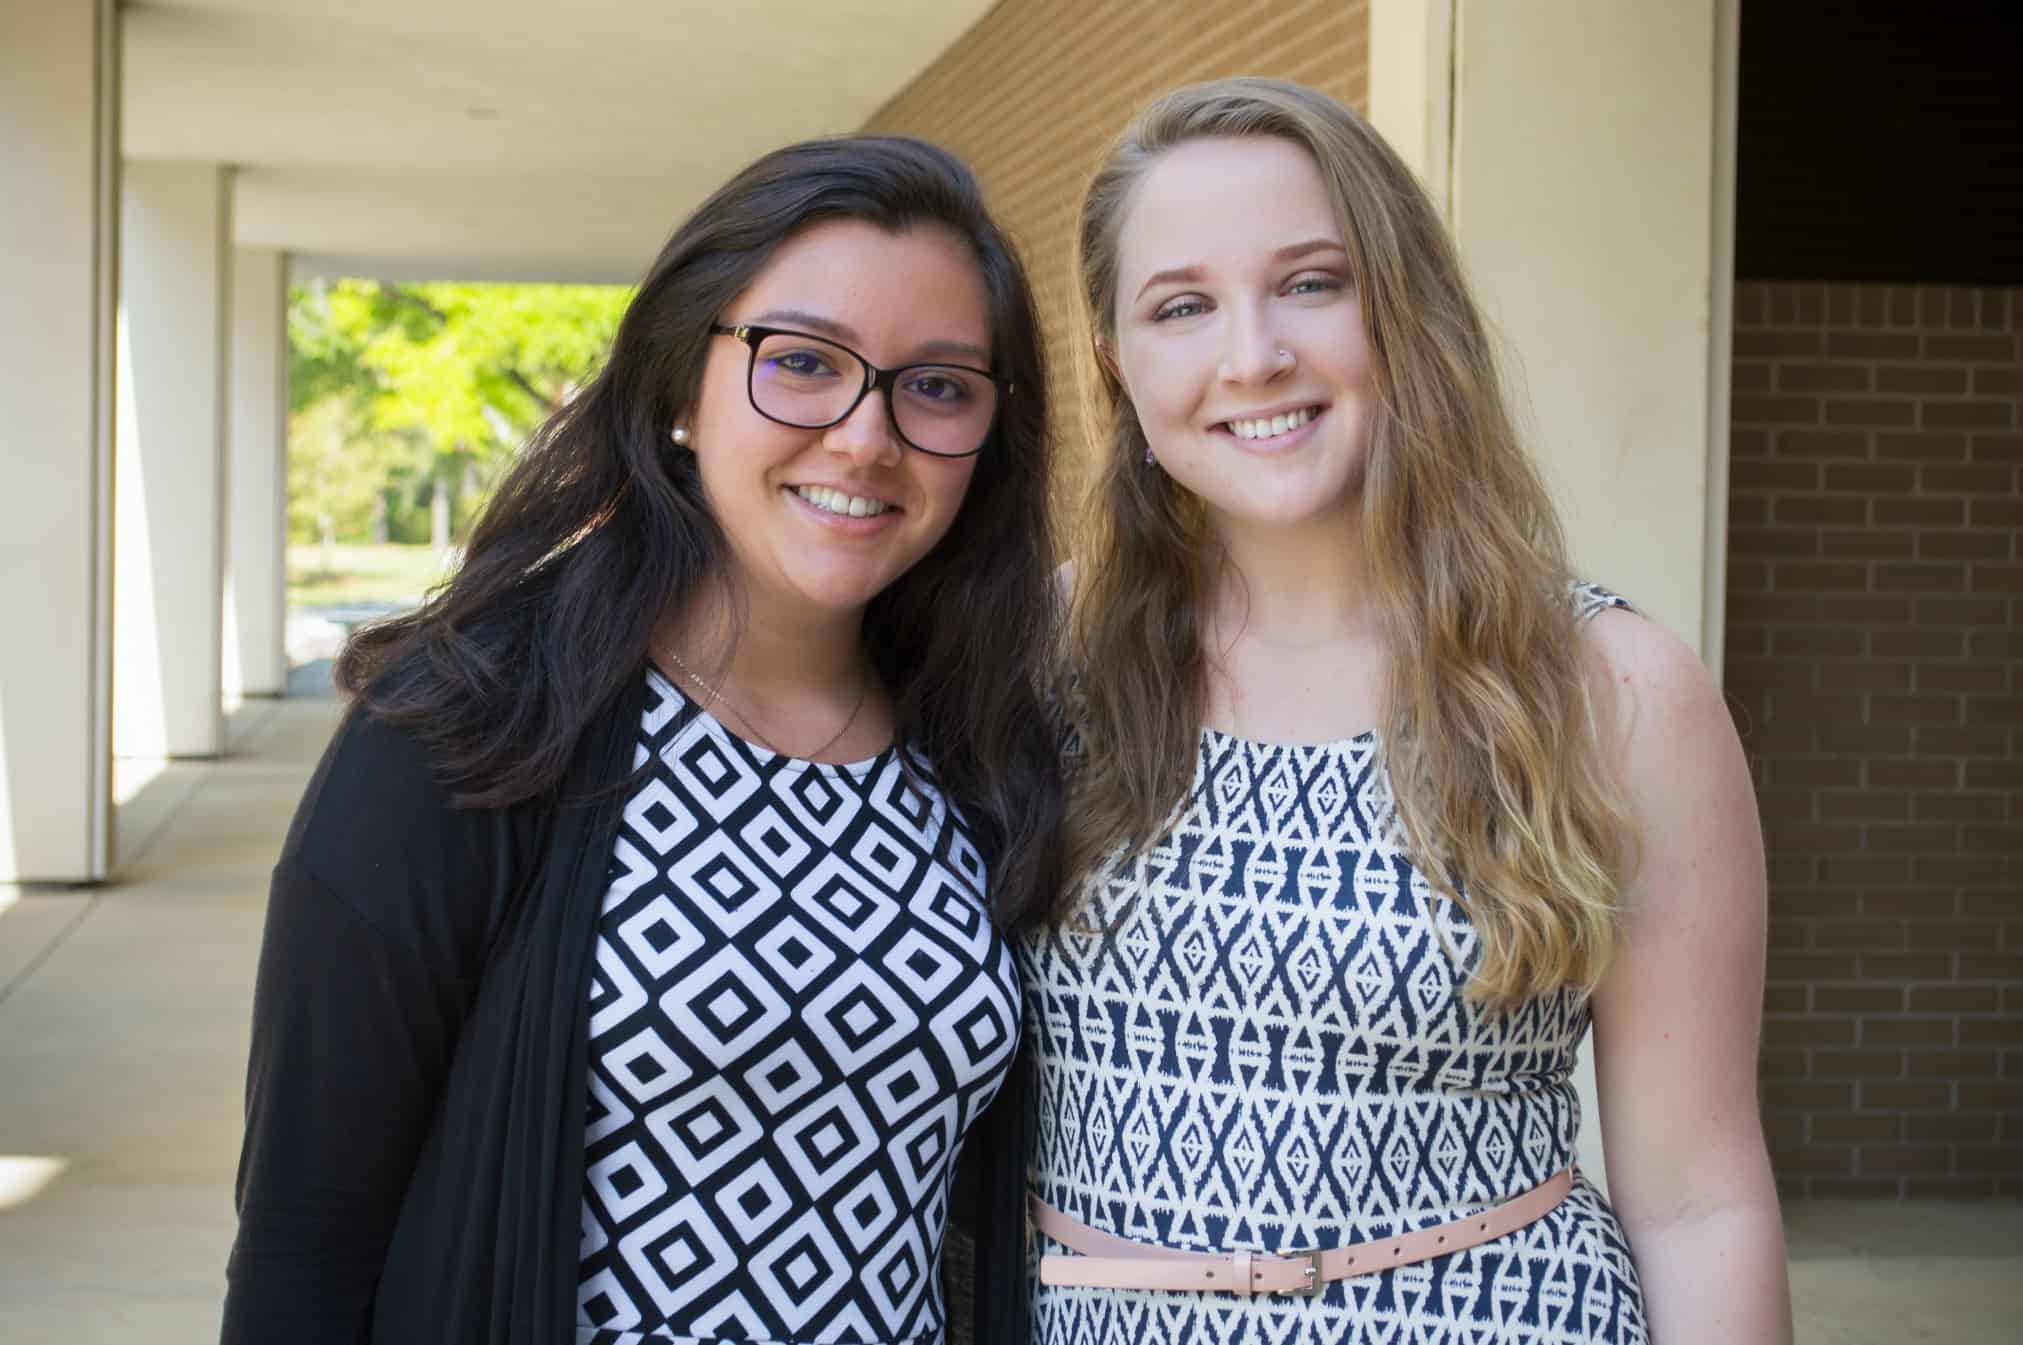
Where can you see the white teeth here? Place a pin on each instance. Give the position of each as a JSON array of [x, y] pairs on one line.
[[1269, 427], [836, 502]]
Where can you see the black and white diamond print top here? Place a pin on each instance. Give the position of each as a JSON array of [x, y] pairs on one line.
[[799, 1007], [1269, 1049]]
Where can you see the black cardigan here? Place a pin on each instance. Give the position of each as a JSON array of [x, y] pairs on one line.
[[415, 1102]]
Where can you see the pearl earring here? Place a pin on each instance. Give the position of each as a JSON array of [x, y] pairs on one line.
[[680, 435]]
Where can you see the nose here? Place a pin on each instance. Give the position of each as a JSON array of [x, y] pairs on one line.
[[866, 436], [1253, 353]]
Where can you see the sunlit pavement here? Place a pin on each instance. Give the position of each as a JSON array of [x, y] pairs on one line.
[[122, 1060]]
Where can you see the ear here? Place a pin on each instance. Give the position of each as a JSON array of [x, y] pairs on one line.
[[1107, 358]]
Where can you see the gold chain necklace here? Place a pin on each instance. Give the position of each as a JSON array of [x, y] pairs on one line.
[[717, 696]]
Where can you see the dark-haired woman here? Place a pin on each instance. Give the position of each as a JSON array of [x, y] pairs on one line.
[[632, 970]]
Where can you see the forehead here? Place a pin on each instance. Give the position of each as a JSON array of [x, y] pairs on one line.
[[922, 283], [1222, 202]]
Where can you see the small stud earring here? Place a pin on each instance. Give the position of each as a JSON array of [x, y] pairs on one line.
[[1284, 358], [680, 435], [1149, 459]]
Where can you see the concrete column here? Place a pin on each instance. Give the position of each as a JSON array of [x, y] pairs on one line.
[[59, 248], [255, 658], [175, 282]]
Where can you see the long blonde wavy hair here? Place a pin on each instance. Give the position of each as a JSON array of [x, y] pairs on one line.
[[1500, 780]]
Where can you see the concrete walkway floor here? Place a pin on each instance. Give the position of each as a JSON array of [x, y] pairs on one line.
[[123, 1019]]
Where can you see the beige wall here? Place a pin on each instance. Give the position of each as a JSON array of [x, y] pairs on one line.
[[256, 661], [59, 140]]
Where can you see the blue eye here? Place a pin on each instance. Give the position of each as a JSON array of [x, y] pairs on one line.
[[1186, 306], [1314, 285]]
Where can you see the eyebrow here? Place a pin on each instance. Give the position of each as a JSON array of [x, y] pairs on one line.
[[1187, 275], [837, 331]]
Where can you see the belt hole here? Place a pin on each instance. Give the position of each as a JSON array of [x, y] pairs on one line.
[[1352, 1260], [1482, 1228], [1397, 1251], [1441, 1241]]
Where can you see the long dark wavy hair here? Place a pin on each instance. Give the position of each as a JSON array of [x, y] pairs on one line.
[[601, 528]]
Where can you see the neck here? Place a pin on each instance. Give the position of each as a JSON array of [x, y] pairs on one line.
[[1292, 586], [761, 650]]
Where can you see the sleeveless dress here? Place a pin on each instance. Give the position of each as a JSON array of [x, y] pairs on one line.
[[1268, 1048], [799, 1007]]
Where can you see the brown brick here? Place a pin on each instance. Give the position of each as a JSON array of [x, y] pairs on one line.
[[1920, 446], [1946, 479], [1872, 477], [1785, 1032], [1749, 475], [1998, 448], [1811, 509], [1812, 968], [1998, 904], [1905, 1094], [1994, 774], [1998, 1096], [1822, 378], [1872, 345], [1852, 1188], [1913, 774], [1897, 1160], [1997, 579], [1973, 415], [1962, 611], [1761, 345], [1865, 676], [1995, 513], [1857, 998], [1959, 869], [1864, 609], [1920, 378], [1991, 967], [1864, 806], [2003, 1158], [1994, 710], [1962, 740], [1845, 444], [1785, 998], [1815, 576], [1816, 1159], [1875, 412], [1991, 1032], [1963, 545], [1751, 409], [1752, 376], [1918, 1032], [1996, 644], [1929, 1063], [1914, 905], [1807, 1095], [1857, 1127], [1961, 808], [1777, 542], [1998, 380], [1921, 578], [1863, 871], [1900, 840], [1866, 1064], [1868, 543], [1914, 709], [1818, 771], [1955, 999], [1990, 348], [1888, 739], [1924, 512], [1907, 966], [1950, 1188]]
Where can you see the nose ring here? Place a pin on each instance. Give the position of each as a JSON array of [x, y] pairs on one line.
[[1284, 358]]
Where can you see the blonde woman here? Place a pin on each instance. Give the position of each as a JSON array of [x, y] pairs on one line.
[[1377, 810]]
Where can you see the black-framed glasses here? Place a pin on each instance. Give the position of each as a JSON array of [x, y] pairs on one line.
[[811, 383]]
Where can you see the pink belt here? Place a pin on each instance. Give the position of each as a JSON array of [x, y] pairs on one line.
[[1110, 1262]]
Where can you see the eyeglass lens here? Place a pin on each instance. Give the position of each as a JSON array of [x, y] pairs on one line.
[[808, 382]]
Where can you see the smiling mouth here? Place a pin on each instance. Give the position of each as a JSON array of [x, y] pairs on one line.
[[836, 502], [1271, 427]]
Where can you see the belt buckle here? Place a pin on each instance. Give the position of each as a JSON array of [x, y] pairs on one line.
[[1317, 1283]]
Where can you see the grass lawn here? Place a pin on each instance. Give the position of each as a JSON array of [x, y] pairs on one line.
[[360, 572]]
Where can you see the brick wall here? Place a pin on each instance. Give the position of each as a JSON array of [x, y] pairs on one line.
[[1875, 665], [1034, 91]]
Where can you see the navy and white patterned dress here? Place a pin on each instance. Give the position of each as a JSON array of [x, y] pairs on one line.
[[1270, 1049], [799, 1007]]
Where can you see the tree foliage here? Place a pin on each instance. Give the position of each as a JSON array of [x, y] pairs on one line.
[[422, 388]]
